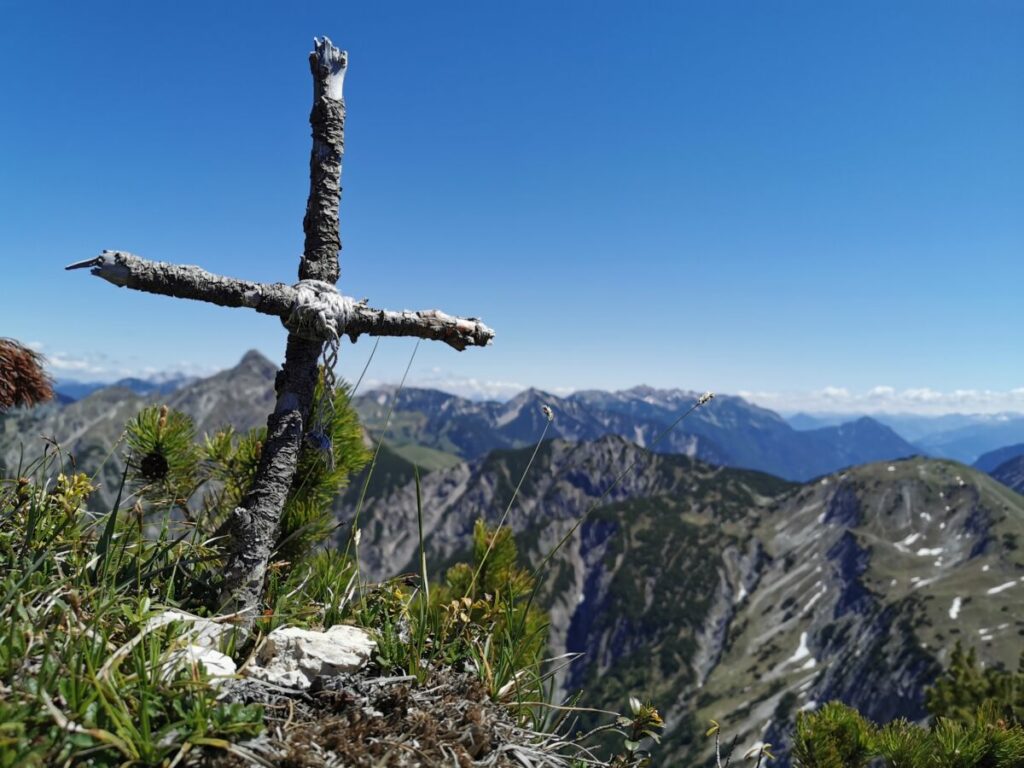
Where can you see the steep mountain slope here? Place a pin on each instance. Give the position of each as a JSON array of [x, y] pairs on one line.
[[728, 431], [732, 595], [565, 480], [241, 396], [869, 579], [988, 462], [1011, 473]]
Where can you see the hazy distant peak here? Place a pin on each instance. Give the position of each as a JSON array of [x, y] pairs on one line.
[[865, 422], [530, 394], [255, 360], [989, 461]]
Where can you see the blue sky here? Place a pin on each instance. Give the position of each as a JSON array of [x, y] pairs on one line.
[[816, 203]]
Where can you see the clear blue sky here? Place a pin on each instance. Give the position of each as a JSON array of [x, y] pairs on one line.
[[739, 196]]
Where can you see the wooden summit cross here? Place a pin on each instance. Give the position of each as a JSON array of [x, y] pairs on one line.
[[313, 312]]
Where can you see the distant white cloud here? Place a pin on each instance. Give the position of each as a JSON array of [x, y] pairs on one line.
[[68, 366], [100, 367], [886, 399], [464, 386]]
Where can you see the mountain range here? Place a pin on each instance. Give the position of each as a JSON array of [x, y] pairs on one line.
[[90, 428], [70, 390], [989, 462], [437, 430], [729, 430], [964, 437], [960, 436]]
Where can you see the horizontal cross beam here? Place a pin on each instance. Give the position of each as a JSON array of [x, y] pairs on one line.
[[343, 316]]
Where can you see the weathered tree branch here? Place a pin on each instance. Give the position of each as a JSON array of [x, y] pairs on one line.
[[188, 282], [255, 524]]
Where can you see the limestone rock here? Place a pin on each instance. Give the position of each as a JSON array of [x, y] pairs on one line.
[[293, 657], [217, 665], [206, 638]]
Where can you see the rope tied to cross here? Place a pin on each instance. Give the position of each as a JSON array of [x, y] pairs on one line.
[[320, 309]]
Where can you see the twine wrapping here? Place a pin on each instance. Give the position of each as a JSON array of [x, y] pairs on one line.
[[319, 310]]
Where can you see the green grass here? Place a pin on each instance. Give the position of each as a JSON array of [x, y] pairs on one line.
[[80, 677]]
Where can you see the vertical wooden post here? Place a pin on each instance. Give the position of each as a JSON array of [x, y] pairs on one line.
[[254, 526]]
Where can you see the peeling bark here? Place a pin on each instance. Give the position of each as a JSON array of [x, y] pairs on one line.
[[323, 241]]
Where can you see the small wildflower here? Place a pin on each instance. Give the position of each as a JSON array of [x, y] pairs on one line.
[[706, 398], [548, 413], [71, 491]]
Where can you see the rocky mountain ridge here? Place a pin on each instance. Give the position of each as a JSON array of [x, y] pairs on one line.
[[436, 429]]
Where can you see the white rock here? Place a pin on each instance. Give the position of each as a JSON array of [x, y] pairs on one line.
[[206, 637], [294, 657], [217, 665], [203, 632]]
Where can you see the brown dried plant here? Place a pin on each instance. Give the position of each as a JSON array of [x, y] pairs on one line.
[[22, 378]]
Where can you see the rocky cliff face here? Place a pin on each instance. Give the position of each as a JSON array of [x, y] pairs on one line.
[[732, 595]]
